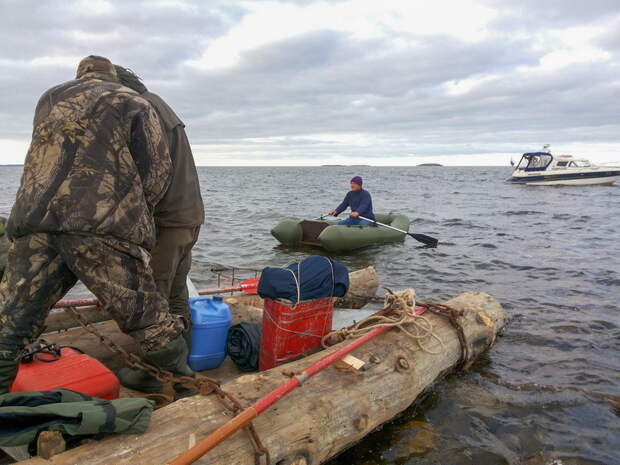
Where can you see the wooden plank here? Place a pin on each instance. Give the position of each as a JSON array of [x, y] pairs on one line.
[[330, 412], [349, 362]]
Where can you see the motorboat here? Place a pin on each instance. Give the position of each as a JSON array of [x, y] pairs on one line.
[[545, 169]]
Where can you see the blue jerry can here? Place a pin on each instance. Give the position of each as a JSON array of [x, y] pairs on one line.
[[211, 319]]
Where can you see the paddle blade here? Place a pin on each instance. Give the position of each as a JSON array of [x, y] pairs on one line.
[[428, 240]]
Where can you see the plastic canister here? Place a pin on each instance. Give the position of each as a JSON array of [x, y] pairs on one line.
[[211, 320], [71, 370]]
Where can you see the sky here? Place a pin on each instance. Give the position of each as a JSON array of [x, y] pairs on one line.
[[303, 82]]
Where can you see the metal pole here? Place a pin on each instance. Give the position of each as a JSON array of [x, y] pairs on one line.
[[384, 225]]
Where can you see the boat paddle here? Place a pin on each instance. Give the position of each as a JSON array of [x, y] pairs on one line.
[[428, 240]]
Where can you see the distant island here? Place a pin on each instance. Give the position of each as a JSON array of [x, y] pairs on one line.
[[348, 166], [430, 164]]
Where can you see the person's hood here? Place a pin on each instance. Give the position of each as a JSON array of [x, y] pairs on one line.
[[130, 79]]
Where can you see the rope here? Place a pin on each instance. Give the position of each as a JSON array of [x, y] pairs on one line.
[[299, 333], [399, 312], [453, 316]]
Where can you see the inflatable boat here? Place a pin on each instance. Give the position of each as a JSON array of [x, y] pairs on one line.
[[331, 236]]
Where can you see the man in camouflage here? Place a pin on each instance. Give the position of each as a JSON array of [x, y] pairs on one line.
[[96, 167], [178, 217], [4, 245]]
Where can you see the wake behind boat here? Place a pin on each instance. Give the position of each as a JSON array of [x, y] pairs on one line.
[[545, 169]]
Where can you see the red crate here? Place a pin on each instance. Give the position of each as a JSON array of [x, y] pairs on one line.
[[73, 370], [289, 332]]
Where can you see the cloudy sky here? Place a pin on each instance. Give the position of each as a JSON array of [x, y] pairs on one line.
[[305, 82]]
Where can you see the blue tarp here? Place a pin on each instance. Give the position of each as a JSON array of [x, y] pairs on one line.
[[318, 277]]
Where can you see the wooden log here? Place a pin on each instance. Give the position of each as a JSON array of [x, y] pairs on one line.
[[61, 318], [329, 413], [364, 285]]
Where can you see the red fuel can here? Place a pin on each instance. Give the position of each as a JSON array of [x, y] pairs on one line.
[[291, 331], [72, 370]]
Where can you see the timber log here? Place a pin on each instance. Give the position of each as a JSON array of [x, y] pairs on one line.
[[363, 287], [329, 413]]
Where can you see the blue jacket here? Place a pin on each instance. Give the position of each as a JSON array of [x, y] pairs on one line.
[[359, 201]]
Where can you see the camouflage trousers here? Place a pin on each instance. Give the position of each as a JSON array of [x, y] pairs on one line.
[[42, 267]]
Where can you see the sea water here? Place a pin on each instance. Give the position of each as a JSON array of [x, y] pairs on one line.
[[551, 255]]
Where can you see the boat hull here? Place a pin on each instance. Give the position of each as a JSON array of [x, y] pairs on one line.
[[576, 179], [338, 238]]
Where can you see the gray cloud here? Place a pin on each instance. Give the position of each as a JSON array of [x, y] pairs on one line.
[[329, 82]]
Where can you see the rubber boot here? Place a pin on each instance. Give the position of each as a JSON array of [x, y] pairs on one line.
[[140, 381], [180, 391], [8, 371], [172, 358]]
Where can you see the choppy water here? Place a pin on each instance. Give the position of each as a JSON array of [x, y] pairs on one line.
[[551, 255]]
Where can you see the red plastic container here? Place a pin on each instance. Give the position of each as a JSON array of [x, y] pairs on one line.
[[73, 370], [289, 332]]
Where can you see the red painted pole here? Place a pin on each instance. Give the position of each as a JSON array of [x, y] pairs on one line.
[[238, 422], [249, 286]]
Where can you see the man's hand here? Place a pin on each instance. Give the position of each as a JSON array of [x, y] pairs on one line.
[[354, 215], [333, 213]]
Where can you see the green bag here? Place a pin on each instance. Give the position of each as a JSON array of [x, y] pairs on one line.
[[24, 414]]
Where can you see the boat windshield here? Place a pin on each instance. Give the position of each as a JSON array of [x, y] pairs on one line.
[[535, 161]]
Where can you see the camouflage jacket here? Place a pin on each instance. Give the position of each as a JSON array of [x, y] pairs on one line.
[[98, 163]]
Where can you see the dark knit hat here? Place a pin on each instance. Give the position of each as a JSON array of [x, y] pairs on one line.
[[130, 79], [357, 180]]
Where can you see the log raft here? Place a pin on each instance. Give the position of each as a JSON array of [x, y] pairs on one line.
[[363, 287], [329, 413]]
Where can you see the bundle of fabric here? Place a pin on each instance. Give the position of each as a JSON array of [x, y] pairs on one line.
[[243, 345], [316, 277], [24, 414]]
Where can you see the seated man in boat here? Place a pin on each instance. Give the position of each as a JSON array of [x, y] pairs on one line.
[[178, 217], [97, 165], [360, 202]]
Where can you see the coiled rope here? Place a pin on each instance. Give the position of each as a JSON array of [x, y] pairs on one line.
[[398, 311]]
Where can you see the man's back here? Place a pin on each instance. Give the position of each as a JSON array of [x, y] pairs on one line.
[[97, 164], [182, 205]]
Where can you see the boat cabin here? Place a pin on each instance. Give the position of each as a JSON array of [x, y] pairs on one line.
[[544, 161], [535, 161]]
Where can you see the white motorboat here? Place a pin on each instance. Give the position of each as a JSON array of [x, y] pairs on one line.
[[544, 169]]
